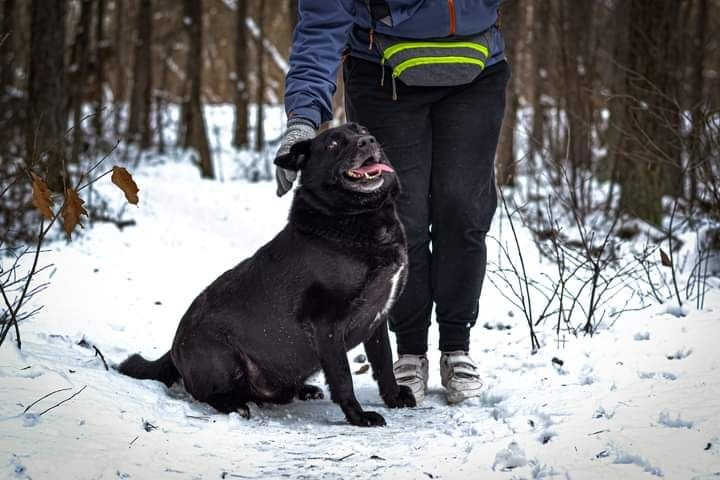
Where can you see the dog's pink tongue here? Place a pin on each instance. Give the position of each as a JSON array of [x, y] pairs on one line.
[[372, 168]]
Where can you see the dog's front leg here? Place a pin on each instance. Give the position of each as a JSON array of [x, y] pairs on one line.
[[379, 353], [334, 362]]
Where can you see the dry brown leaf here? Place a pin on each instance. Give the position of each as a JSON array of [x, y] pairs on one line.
[[362, 369], [122, 178], [41, 197], [664, 259], [72, 211]]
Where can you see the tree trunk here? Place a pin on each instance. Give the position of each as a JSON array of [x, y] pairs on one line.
[[538, 32], [141, 95], [293, 11], [120, 73], [99, 68], [696, 154], [47, 117], [195, 127], [240, 87], [160, 104], [260, 93], [670, 80], [506, 165], [78, 72], [649, 130], [574, 59], [7, 52]]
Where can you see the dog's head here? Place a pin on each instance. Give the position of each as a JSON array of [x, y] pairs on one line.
[[343, 167]]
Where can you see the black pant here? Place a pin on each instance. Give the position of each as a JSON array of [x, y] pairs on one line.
[[441, 141]]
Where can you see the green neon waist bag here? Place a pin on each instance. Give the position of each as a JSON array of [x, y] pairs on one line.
[[430, 63]]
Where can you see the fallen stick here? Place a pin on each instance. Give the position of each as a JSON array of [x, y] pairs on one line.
[[60, 403], [44, 397]]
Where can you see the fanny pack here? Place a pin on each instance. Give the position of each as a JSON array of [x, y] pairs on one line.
[[443, 62]]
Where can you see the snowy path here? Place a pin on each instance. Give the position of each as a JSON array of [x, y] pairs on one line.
[[617, 408]]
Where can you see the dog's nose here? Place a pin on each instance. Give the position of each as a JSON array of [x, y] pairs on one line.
[[365, 141]]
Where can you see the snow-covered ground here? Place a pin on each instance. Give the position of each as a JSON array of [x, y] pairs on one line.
[[637, 400]]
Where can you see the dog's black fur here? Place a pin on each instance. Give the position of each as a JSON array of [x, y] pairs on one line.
[[319, 288]]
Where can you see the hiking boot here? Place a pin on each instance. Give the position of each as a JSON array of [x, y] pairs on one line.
[[412, 371], [459, 376]]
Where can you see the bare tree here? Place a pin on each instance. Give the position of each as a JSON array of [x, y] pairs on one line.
[[99, 67], [194, 122], [650, 111], [120, 73], [7, 53], [78, 75], [141, 95], [698, 47], [240, 79], [506, 165], [47, 117], [260, 93], [293, 12]]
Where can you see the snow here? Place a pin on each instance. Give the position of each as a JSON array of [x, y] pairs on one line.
[[638, 399]]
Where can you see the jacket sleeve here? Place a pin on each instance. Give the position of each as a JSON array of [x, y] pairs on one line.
[[319, 39]]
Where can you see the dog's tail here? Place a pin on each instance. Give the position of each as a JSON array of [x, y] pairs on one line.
[[161, 369]]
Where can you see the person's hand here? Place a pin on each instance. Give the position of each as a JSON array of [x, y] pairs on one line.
[[298, 129]]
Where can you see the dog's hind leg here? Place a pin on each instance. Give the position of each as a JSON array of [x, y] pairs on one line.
[[229, 403], [216, 376], [310, 392]]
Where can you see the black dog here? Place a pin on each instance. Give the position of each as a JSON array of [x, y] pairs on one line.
[[323, 285]]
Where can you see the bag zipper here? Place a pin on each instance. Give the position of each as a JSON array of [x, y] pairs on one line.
[[414, 62], [399, 47], [451, 7]]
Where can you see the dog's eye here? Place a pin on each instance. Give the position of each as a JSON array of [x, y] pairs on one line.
[[332, 145], [364, 131]]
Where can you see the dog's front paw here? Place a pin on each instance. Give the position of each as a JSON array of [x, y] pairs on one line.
[[402, 398], [366, 419]]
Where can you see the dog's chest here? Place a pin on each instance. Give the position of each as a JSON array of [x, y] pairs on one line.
[[377, 298], [394, 289]]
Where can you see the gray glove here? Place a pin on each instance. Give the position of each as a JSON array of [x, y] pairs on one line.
[[298, 129]]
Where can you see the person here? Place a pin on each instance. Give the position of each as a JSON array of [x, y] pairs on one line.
[[427, 78]]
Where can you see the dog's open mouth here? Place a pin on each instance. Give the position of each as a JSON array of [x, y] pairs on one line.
[[368, 170]]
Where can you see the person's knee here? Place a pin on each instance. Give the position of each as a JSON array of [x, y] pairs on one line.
[[417, 228], [465, 211]]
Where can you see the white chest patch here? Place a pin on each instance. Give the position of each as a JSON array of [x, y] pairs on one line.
[[394, 287]]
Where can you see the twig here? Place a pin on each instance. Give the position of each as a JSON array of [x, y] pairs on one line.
[[672, 261], [60, 403], [332, 459], [33, 268], [102, 357], [44, 397], [535, 344]]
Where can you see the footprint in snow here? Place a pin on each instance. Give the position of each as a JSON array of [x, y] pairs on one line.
[[641, 336], [666, 375], [546, 436], [623, 457], [587, 376], [667, 420], [680, 354], [491, 398], [601, 412], [510, 458]]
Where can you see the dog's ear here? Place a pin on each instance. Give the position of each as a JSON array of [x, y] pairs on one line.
[[296, 158]]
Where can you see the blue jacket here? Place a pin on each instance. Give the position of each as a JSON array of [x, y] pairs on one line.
[[324, 32]]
